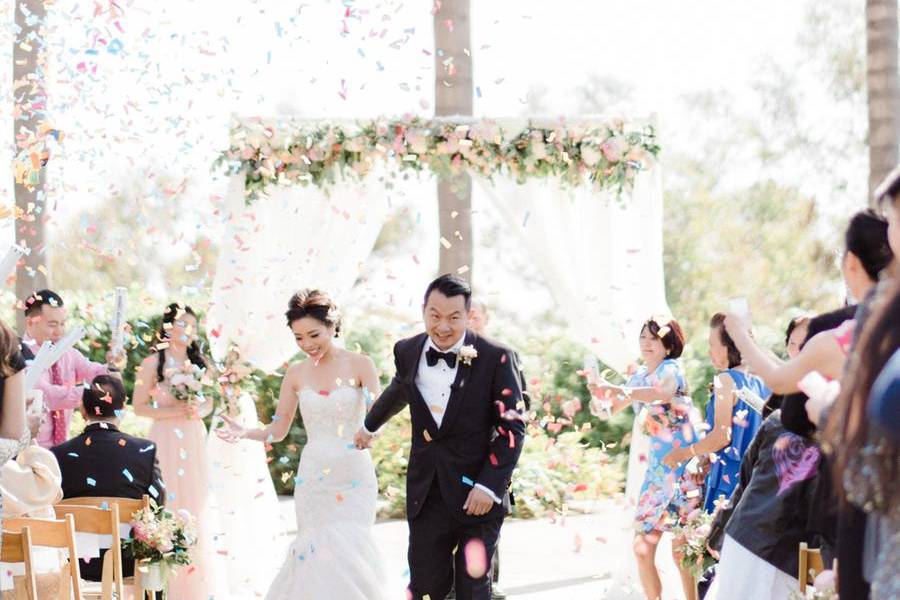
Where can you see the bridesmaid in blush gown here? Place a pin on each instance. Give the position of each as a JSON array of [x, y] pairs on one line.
[[180, 437]]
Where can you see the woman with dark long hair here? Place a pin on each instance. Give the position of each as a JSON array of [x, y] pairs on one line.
[[168, 390], [865, 461]]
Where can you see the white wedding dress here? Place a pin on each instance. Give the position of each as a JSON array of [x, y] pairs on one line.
[[334, 553]]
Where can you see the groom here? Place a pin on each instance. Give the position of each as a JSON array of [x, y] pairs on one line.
[[467, 432]]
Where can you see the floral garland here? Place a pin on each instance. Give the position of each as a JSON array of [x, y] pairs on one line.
[[609, 155]]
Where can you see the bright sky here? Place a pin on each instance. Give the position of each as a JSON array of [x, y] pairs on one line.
[[151, 90]]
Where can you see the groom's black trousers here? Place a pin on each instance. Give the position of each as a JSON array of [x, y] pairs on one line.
[[433, 536]]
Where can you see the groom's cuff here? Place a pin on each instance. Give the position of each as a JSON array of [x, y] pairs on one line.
[[366, 429], [489, 493]]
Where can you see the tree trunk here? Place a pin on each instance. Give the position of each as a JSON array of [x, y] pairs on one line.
[[30, 102], [883, 90], [453, 96]]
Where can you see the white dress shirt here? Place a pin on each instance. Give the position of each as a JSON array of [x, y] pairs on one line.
[[435, 382]]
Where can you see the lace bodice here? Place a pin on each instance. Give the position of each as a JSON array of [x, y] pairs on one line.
[[334, 415]]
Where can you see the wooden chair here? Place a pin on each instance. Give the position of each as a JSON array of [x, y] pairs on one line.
[[126, 508], [811, 564], [17, 549], [101, 521], [53, 533]]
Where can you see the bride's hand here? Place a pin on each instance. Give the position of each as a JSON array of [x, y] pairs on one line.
[[232, 432]]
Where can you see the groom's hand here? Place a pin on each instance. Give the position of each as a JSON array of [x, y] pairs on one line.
[[362, 439], [478, 503]]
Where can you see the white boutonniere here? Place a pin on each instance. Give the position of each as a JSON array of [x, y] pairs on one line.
[[467, 354]]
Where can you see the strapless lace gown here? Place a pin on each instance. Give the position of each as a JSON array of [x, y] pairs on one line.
[[334, 553]]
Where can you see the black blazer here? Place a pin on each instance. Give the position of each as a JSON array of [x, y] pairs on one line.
[[103, 461], [481, 434]]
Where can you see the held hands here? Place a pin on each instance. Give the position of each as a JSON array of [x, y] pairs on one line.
[[478, 503], [362, 439], [232, 431]]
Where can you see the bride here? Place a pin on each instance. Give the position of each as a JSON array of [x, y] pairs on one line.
[[334, 554]]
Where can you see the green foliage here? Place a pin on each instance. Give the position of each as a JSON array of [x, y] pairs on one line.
[[754, 243], [554, 472], [560, 398]]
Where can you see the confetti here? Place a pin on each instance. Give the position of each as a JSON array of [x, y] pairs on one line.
[[476, 558]]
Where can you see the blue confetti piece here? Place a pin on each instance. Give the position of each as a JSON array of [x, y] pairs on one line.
[[147, 449], [128, 475], [73, 454], [91, 481], [468, 481], [525, 220], [478, 91], [349, 447], [114, 47], [179, 434], [153, 491]]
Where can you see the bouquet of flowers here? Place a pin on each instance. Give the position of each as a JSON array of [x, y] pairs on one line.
[[188, 382], [823, 588], [160, 536], [694, 530]]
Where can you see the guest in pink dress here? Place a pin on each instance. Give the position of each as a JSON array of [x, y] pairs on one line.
[[61, 385], [163, 391]]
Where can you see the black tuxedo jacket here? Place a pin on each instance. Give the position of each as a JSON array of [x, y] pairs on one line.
[[480, 436], [103, 461]]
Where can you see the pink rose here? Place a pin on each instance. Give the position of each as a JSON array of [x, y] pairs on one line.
[[614, 148]]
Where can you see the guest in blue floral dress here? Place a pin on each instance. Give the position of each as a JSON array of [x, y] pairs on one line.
[[667, 495], [731, 421]]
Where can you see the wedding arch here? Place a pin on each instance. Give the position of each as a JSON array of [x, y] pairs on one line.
[[307, 199]]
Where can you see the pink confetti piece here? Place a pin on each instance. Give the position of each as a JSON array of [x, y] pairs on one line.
[[476, 558]]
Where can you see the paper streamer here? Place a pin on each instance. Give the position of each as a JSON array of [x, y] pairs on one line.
[[12, 257], [48, 354], [118, 322]]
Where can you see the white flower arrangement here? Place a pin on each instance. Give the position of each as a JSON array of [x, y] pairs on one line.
[[609, 155], [467, 354]]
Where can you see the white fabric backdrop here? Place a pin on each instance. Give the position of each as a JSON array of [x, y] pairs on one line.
[[295, 238]]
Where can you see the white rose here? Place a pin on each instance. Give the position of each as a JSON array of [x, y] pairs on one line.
[[590, 156]]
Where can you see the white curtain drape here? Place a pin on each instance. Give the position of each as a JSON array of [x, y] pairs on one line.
[[297, 237], [600, 256]]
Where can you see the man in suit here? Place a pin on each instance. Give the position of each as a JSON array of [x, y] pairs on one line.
[[463, 393], [103, 461]]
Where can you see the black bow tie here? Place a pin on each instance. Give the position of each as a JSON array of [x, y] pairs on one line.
[[432, 356]]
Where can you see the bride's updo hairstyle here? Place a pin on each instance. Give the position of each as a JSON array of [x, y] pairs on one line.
[[316, 304]]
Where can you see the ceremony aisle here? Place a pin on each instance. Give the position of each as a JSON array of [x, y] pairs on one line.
[[583, 557]]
